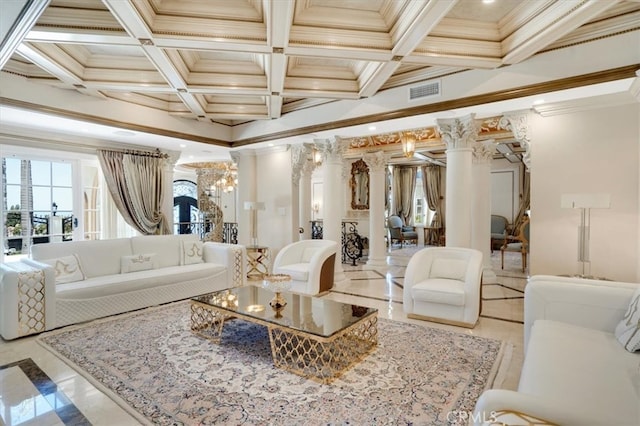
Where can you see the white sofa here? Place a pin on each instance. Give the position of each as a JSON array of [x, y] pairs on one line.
[[310, 263], [575, 371], [99, 278]]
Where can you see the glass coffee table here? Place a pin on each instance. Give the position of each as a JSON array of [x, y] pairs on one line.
[[310, 336]]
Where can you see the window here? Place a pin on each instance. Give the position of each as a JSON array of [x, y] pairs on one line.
[[186, 215], [91, 202], [38, 203], [420, 208]]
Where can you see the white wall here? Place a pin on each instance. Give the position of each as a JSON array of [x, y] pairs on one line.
[[594, 151]]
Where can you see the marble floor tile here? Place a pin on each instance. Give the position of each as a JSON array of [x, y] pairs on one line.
[[378, 287]]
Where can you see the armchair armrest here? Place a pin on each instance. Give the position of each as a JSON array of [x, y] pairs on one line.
[[232, 256], [587, 303], [507, 407], [27, 295]]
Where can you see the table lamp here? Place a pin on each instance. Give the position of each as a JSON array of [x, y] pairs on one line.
[[254, 206]]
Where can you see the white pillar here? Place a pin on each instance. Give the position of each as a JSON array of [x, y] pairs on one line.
[[377, 164], [301, 169], [458, 134], [481, 205], [518, 123], [305, 200], [246, 161], [167, 188], [333, 198]]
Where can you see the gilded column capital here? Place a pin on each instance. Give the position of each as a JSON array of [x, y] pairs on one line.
[[483, 151], [518, 123], [299, 156], [458, 132], [331, 150], [377, 161], [169, 162]]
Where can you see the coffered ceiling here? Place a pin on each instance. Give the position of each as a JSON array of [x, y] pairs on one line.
[[237, 62]]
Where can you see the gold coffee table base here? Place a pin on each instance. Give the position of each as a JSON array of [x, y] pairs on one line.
[[305, 354]]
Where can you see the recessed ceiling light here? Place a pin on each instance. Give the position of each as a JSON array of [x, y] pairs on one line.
[[372, 128], [487, 1], [183, 145], [270, 144], [538, 101], [124, 133]]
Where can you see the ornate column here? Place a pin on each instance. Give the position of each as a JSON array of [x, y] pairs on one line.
[[518, 123], [459, 134], [246, 161], [333, 197], [377, 163], [302, 169], [305, 199], [481, 205], [167, 190]]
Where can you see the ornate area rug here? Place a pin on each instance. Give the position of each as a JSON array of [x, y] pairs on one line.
[[151, 364]]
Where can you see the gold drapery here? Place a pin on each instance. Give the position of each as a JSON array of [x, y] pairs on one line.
[[135, 183]]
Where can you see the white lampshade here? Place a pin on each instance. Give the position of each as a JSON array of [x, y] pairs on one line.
[[585, 201]]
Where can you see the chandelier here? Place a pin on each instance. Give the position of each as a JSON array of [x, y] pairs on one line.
[[228, 181], [216, 178]]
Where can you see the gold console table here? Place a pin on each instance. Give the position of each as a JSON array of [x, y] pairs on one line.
[[257, 262]]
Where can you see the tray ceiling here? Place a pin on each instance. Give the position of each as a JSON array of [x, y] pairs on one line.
[[237, 61]]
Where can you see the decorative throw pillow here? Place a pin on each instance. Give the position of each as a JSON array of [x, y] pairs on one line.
[[137, 262], [67, 269], [628, 330], [192, 252]]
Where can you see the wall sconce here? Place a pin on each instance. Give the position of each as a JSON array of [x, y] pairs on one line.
[[408, 140], [316, 156]]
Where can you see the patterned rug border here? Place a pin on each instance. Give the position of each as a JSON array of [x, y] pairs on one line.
[[494, 379]]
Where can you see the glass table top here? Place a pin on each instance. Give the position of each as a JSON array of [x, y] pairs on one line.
[[309, 314]]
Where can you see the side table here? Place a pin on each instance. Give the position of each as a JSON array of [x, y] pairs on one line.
[[432, 236], [257, 262]]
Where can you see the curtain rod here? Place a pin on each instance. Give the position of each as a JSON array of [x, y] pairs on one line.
[[155, 154]]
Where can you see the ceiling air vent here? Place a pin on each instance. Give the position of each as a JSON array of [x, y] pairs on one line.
[[424, 91]]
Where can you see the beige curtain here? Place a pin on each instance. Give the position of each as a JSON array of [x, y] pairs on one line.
[[404, 186], [135, 183], [431, 186], [525, 202]]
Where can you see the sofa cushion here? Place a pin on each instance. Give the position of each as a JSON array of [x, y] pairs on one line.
[[192, 252], [121, 283], [138, 262], [439, 290], [586, 369], [67, 269], [168, 248], [628, 329], [452, 269], [298, 271], [97, 257]]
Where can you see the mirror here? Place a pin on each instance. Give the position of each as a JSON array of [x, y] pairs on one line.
[[359, 185]]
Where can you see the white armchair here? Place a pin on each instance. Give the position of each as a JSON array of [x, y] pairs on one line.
[[443, 284], [310, 263]]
